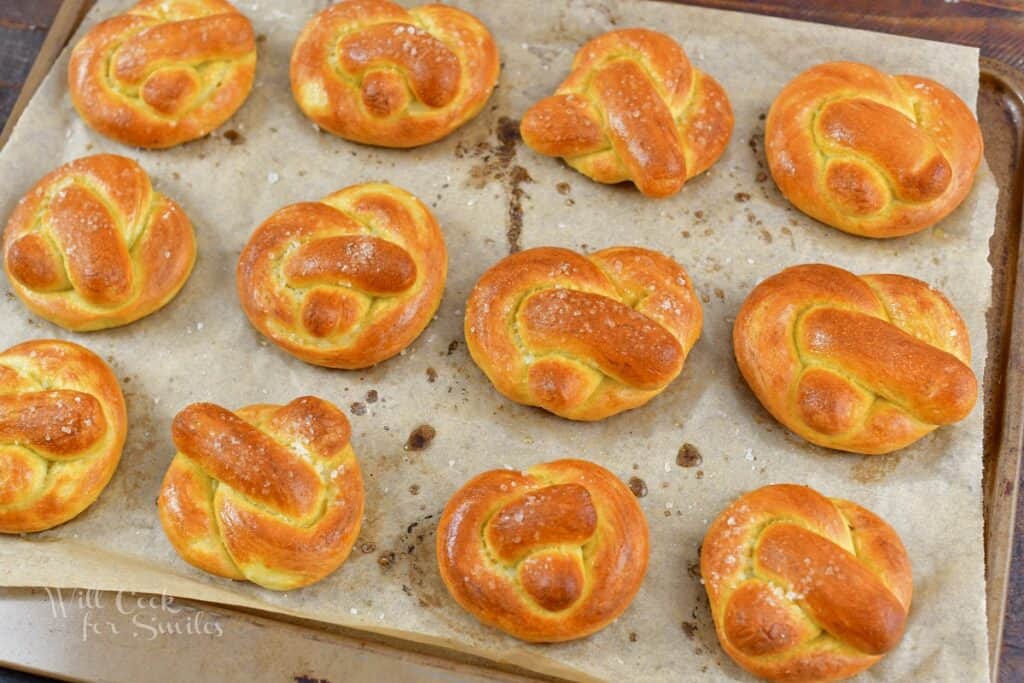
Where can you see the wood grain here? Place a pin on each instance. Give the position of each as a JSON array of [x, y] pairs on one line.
[[995, 26], [23, 27]]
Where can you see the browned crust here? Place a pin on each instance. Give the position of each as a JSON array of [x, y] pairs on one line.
[[134, 77], [373, 72], [271, 494], [865, 364], [93, 246], [550, 554], [869, 153], [633, 108], [62, 429], [803, 587], [348, 281], [584, 337]]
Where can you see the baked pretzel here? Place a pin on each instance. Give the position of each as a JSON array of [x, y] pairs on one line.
[[270, 494], [550, 554], [633, 108], [348, 281], [93, 246], [866, 364], [373, 72], [803, 587], [164, 72], [869, 153], [584, 337], [62, 429]]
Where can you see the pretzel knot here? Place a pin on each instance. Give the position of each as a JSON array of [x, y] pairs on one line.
[[803, 587], [271, 494], [62, 429], [550, 554], [866, 364], [348, 281], [584, 337], [93, 246], [869, 153], [164, 72], [374, 72], [633, 108]]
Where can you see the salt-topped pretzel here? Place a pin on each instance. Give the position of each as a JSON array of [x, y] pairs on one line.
[[869, 153], [164, 72], [62, 429], [867, 363], [633, 108], [584, 336], [550, 554], [373, 72], [348, 281], [93, 246], [803, 587], [271, 494]]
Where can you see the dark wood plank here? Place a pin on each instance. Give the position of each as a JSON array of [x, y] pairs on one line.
[[1011, 661], [28, 14], [996, 26], [23, 27]]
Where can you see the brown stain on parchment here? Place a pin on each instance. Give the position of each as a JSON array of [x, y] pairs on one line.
[[496, 163], [413, 562], [874, 468]]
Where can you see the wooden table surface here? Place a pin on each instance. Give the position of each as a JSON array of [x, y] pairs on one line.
[[996, 26]]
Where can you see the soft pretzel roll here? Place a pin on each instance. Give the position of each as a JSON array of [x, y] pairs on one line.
[[550, 554], [62, 429], [164, 72], [869, 153], [867, 364], [584, 337], [633, 108], [374, 72], [348, 281], [93, 246], [803, 587], [270, 494]]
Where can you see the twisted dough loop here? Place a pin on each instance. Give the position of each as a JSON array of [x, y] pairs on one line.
[[164, 72], [866, 364], [374, 72], [550, 554], [633, 108], [869, 153], [62, 428], [584, 337], [93, 246], [271, 494], [803, 587], [348, 281]]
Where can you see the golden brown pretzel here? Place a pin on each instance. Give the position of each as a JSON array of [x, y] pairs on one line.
[[869, 153], [62, 429], [92, 245], [164, 72], [804, 587], [348, 281], [373, 72], [867, 364], [271, 494], [550, 554], [633, 108], [583, 336]]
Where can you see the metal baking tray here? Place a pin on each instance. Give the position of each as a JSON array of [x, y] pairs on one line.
[[308, 652]]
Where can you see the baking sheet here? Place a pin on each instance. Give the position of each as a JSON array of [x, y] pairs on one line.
[[729, 228]]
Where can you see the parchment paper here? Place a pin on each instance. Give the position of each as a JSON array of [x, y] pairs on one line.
[[730, 228]]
